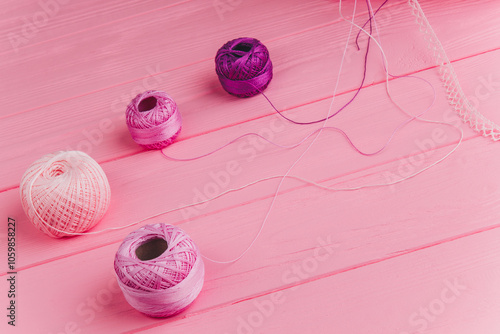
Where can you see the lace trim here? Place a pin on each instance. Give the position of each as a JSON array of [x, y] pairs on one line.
[[456, 97]]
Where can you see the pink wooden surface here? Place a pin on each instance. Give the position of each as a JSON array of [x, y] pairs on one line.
[[419, 257]]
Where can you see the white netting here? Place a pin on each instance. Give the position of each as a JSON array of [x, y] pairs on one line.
[[455, 94]]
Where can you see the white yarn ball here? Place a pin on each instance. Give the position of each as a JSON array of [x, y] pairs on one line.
[[65, 193]]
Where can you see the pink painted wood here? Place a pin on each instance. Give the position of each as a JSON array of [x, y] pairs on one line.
[[421, 256]]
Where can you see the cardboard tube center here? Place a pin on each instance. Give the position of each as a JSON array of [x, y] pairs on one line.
[[151, 249]]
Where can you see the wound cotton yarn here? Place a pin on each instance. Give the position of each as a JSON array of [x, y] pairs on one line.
[[244, 67], [159, 269], [153, 119], [65, 193]]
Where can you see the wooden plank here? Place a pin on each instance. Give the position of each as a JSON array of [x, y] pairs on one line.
[[87, 62], [384, 292], [25, 23], [435, 290], [92, 56]]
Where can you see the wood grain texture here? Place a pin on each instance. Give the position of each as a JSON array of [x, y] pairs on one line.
[[419, 256]]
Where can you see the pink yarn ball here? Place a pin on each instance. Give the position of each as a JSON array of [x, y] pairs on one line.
[[153, 119], [159, 269], [65, 193]]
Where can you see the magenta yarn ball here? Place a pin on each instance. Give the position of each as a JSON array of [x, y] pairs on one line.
[[65, 193], [153, 119], [159, 270], [244, 67]]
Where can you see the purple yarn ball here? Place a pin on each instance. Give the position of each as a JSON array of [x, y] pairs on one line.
[[244, 67]]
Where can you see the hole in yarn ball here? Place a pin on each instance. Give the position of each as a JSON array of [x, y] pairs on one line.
[[151, 249], [147, 104], [56, 171], [245, 47]]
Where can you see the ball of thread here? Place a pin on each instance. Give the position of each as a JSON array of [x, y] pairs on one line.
[[244, 67], [153, 119], [65, 193], [159, 269]]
